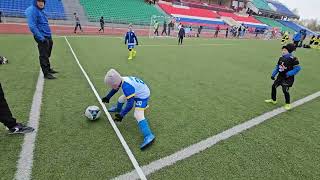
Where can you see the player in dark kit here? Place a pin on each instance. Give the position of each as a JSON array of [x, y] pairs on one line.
[[181, 35], [287, 67], [101, 24]]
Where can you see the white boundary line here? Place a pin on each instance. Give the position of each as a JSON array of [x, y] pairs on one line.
[[25, 162], [115, 128], [211, 141]]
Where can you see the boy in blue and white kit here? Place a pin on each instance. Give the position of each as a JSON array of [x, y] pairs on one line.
[[132, 40], [135, 92]]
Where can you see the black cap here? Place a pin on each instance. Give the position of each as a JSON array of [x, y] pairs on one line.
[[290, 47]]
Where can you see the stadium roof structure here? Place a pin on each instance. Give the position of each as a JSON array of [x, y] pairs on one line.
[[271, 7]]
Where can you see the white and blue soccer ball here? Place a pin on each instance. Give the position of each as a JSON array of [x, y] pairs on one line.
[[92, 113]]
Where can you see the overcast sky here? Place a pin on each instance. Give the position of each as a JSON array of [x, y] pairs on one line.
[[307, 8]]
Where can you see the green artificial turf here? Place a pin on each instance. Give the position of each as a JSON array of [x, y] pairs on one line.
[[197, 90], [285, 147], [18, 79]]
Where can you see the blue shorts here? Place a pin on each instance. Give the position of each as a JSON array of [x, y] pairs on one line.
[[130, 46], [141, 103]]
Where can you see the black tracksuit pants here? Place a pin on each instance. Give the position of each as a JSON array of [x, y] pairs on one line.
[[285, 89], [76, 27], [180, 39], [45, 49], [5, 113]]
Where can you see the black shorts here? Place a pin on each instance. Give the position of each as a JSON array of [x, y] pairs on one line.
[[288, 82]]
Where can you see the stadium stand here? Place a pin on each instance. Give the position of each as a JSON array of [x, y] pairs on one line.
[[296, 27], [16, 8], [202, 5], [274, 23], [249, 21], [195, 16], [120, 11], [282, 9], [261, 4]]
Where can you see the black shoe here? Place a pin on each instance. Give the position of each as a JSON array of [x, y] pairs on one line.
[[51, 71], [49, 76], [20, 129]]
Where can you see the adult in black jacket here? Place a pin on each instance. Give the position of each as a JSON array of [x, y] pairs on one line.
[[181, 35]]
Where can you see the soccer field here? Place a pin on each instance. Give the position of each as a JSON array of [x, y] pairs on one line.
[[198, 90]]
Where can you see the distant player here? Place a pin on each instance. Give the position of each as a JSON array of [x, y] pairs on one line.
[[217, 31], [101, 24], [77, 19], [132, 40], [135, 92], [181, 35], [316, 43], [297, 38], [156, 28], [287, 67], [285, 38], [164, 31]]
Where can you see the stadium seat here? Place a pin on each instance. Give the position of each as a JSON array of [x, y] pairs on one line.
[[261, 4], [295, 26], [282, 9], [120, 11], [274, 23], [16, 8], [249, 21], [194, 16], [202, 5]]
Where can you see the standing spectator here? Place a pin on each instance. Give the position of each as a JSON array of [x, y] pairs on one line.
[[170, 27], [8, 120], [179, 26], [227, 32], [39, 26], [297, 38], [0, 17], [77, 19], [181, 35], [243, 31], [164, 28], [101, 24], [190, 31], [199, 31], [239, 31], [303, 36], [217, 31], [156, 28]]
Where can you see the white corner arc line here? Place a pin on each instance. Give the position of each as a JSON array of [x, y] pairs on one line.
[[211, 141], [113, 124], [25, 162]]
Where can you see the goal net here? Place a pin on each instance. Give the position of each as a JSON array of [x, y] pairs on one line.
[[162, 26]]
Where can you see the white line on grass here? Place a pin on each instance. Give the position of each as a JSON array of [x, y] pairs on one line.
[[25, 162], [188, 45], [115, 128], [211, 141]]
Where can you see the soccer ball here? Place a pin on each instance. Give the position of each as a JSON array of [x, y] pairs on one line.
[[3, 60], [92, 113]]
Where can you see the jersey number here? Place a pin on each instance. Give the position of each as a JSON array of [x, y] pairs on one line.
[[136, 80]]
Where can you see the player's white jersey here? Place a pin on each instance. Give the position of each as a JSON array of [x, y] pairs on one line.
[[133, 86]]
